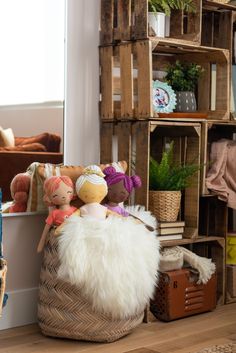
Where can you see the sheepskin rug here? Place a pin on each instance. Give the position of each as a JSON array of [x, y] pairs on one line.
[[114, 262]]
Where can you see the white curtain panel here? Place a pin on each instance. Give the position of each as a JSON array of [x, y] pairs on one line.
[[81, 126]]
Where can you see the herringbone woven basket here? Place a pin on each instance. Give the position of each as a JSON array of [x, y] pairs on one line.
[[165, 205], [64, 312]]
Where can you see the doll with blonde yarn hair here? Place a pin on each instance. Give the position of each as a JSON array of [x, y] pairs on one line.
[[91, 188], [59, 192]]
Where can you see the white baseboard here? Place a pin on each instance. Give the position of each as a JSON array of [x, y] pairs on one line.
[[21, 308]]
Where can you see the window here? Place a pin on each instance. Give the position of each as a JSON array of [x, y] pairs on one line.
[[32, 51]]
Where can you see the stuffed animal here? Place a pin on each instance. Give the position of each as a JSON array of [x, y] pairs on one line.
[[59, 192], [120, 186], [20, 186]]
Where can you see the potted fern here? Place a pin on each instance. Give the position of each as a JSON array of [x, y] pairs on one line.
[[166, 181], [159, 13], [183, 78]]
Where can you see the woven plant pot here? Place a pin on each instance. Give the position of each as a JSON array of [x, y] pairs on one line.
[[64, 312], [165, 205]]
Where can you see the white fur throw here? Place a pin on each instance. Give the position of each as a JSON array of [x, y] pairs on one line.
[[114, 262]]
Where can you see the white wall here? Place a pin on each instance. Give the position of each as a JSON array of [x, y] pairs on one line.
[[21, 233], [33, 119], [81, 132]]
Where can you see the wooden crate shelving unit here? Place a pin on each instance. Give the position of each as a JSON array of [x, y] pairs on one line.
[[130, 58], [127, 71], [126, 20]]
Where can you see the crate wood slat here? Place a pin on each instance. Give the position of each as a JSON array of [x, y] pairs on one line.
[[177, 23], [124, 19], [204, 88], [123, 132], [106, 82], [204, 159], [140, 27], [126, 81], [191, 194], [223, 90], [144, 66], [106, 133], [107, 13], [141, 135]]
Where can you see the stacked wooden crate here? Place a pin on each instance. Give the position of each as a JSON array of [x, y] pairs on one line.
[[130, 59]]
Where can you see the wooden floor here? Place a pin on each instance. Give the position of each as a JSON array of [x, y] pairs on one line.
[[183, 336]]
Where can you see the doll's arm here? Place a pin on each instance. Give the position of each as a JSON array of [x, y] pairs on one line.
[[112, 213], [59, 229], [43, 238]]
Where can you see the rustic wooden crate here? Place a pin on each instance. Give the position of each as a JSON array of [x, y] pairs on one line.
[[213, 131], [127, 71], [217, 28], [125, 20], [135, 141]]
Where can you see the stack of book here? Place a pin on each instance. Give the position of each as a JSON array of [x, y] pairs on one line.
[[170, 230]]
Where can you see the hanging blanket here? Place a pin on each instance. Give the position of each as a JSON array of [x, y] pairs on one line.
[[114, 262], [221, 178]]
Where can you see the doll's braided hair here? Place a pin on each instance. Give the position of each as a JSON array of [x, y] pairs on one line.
[[114, 177]]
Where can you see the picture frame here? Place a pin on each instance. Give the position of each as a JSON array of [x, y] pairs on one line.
[[163, 97]]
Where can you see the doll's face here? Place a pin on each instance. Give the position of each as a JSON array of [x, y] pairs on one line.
[[117, 192], [90, 193], [62, 195]]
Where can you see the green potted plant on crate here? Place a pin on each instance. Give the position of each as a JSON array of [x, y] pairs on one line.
[[166, 181], [159, 13], [183, 78]]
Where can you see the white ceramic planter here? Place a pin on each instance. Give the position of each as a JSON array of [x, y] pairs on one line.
[[157, 21]]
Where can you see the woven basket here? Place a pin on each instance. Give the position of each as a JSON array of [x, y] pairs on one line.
[[64, 312], [3, 272], [165, 205]]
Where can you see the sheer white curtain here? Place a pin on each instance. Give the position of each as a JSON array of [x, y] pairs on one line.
[[32, 51], [81, 130]]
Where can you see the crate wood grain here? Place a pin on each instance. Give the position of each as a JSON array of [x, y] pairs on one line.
[[128, 70], [126, 20]]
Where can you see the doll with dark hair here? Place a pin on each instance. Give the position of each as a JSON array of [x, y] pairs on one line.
[[120, 186]]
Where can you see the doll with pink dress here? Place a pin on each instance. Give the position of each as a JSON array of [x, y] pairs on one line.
[[59, 192]]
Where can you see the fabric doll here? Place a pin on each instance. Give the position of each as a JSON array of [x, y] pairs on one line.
[[91, 188], [120, 186], [20, 186], [59, 192]]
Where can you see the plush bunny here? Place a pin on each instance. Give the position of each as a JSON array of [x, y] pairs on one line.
[[58, 192], [20, 186], [120, 186]]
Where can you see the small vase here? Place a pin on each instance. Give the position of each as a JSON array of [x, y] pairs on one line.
[[156, 20], [185, 102]]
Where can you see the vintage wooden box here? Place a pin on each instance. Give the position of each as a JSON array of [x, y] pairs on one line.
[[178, 295], [127, 72]]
